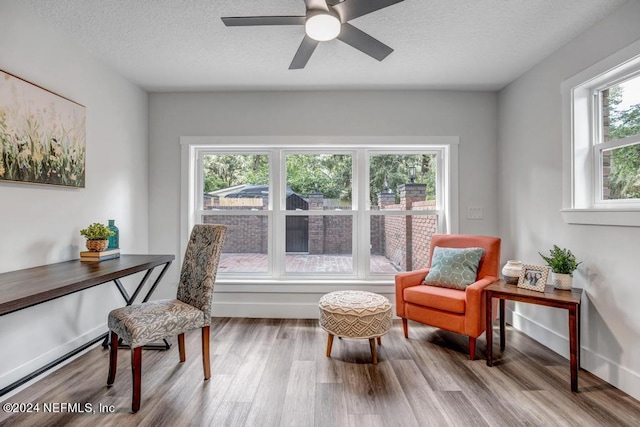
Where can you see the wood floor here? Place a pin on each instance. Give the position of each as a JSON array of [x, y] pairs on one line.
[[272, 372]]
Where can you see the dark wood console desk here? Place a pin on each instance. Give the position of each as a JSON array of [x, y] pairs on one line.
[[569, 300], [25, 288]]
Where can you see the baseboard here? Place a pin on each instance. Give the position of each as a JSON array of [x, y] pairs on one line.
[[27, 368], [600, 366]]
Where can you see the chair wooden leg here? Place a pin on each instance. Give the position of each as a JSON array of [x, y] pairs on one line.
[[113, 358], [206, 361], [405, 327], [374, 354], [379, 339], [472, 348], [329, 344], [136, 370], [183, 356]]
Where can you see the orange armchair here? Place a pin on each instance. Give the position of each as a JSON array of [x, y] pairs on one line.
[[461, 311]]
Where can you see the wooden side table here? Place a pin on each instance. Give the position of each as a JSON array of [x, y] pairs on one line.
[[551, 297]]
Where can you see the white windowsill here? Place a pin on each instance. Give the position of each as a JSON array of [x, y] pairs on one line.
[[613, 217]]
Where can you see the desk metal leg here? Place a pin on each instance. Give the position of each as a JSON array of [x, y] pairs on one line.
[[140, 286], [130, 299], [489, 326], [123, 292], [573, 346], [166, 345], [48, 366], [155, 284]]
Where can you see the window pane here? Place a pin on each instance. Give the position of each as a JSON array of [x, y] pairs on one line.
[[621, 173], [319, 181], [402, 181], [621, 110], [246, 245], [235, 181], [319, 244], [400, 243]]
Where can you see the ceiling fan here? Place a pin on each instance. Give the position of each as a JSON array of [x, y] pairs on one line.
[[326, 20]]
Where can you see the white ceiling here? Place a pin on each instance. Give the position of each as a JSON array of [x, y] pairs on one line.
[[182, 45]]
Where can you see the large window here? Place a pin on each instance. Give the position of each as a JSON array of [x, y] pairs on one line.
[[602, 142], [342, 211]]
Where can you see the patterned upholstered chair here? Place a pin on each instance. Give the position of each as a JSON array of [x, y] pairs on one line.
[[140, 324], [457, 310]]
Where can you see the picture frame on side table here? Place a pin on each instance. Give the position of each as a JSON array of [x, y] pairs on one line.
[[533, 277]]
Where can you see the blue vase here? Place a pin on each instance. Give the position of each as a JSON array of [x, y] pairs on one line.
[[114, 241]]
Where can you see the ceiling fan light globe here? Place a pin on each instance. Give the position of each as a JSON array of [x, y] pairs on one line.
[[322, 27]]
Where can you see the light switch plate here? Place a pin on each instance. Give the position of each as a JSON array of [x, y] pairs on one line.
[[475, 213]]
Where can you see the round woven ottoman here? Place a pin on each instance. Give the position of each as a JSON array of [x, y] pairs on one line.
[[355, 314]]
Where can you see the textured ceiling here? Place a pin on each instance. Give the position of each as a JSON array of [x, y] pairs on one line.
[[169, 45]]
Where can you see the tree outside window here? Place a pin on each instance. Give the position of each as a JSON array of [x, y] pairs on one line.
[[621, 120]]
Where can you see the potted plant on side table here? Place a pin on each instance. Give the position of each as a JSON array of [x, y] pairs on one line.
[[562, 263], [97, 236]]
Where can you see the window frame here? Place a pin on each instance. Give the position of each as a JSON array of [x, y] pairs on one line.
[[582, 143], [278, 147]]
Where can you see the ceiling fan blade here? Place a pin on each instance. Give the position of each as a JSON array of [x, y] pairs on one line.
[[350, 9], [316, 4], [303, 54], [364, 42], [241, 21]]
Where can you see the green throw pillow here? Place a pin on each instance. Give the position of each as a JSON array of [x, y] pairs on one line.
[[454, 268]]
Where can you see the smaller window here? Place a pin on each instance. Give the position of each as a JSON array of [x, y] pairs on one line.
[[601, 153]]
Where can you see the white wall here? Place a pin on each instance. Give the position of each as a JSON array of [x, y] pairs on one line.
[[41, 224], [471, 116], [530, 188], [511, 142]]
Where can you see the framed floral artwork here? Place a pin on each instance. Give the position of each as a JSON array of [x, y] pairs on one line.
[[42, 135]]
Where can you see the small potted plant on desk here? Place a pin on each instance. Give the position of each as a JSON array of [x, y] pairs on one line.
[[97, 236], [562, 263]]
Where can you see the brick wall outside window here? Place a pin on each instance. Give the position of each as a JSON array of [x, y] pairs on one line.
[[404, 240]]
